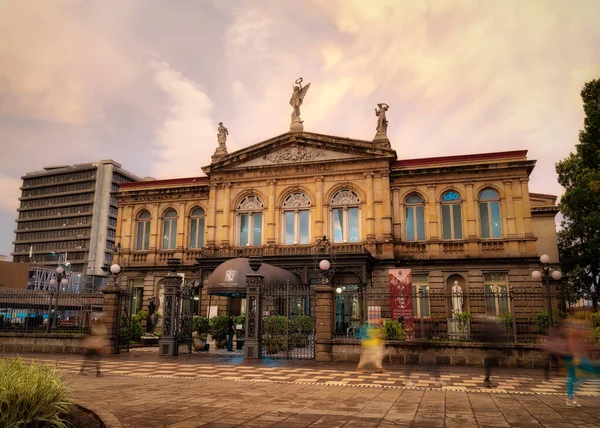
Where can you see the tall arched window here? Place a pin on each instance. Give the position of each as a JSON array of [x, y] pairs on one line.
[[489, 214], [451, 219], [170, 230], [197, 228], [345, 216], [249, 224], [295, 219], [143, 231], [415, 218]]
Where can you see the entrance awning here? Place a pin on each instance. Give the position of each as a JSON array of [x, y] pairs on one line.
[[229, 278]]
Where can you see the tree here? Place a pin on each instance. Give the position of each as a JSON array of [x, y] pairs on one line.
[[579, 174]]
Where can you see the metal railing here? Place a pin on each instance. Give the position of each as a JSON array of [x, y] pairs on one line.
[[429, 314], [33, 311]]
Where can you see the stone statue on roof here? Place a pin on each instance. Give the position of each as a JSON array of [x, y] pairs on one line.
[[382, 123], [222, 134], [298, 94]]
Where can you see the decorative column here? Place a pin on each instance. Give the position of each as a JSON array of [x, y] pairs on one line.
[[370, 208], [526, 206], [471, 218], [319, 223], [226, 216], [324, 322], [254, 283], [386, 212], [110, 312], [511, 226], [211, 221], [432, 214], [168, 344], [396, 208], [271, 213]]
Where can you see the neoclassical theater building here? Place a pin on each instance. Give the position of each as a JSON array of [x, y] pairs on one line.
[[467, 218]]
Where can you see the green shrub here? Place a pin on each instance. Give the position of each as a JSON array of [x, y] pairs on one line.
[[274, 329], [32, 395], [300, 329], [240, 319], [393, 330], [201, 325], [218, 330], [506, 320], [142, 315], [136, 331], [462, 321], [596, 319], [541, 320]]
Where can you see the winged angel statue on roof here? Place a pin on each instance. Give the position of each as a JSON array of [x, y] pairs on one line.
[[297, 98]]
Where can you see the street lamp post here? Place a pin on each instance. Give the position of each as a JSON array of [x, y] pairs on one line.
[[547, 271], [60, 280]]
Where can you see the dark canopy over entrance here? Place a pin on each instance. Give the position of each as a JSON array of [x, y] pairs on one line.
[[229, 278]]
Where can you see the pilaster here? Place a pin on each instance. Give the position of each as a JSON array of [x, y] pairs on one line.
[[226, 215], [271, 213], [370, 208], [324, 322]]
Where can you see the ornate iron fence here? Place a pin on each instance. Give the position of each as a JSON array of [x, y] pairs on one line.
[[33, 311], [429, 314]]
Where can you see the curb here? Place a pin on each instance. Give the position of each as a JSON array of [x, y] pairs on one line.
[[109, 420]]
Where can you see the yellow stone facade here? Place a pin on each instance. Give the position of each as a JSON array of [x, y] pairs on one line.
[[377, 184]]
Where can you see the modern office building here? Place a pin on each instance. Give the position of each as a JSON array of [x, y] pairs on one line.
[[68, 215]]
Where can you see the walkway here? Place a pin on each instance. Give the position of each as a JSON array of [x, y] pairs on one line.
[[142, 389]]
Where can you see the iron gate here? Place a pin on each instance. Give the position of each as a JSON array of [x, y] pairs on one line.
[[186, 315], [288, 321], [124, 320]]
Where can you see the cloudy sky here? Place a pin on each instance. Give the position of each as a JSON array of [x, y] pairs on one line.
[[146, 82]]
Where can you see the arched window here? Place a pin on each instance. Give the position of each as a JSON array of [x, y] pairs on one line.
[[197, 228], [249, 224], [345, 216], [295, 219], [415, 218], [451, 219], [489, 214], [143, 231], [170, 230]]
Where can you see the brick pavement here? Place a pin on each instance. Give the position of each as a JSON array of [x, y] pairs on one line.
[[142, 389]]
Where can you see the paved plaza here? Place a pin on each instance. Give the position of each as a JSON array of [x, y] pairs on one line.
[[141, 389]]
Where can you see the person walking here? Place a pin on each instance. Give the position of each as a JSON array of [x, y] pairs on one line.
[[490, 334], [230, 333], [371, 346], [95, 345]]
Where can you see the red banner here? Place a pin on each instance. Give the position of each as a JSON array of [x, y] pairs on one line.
[[401, 299]]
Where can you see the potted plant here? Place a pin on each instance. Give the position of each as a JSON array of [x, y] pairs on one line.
[[240, 333], [218, 330], [200, 328]]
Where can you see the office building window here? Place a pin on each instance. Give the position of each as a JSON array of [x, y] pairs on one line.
[[489, 214], [345, 216], [197, 228], [143, 231], [170, 230], [296, 219], [415, 218], [249, 221], [451, 218]]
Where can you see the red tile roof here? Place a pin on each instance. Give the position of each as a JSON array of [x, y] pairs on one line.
[[481, 157], [164, 183]]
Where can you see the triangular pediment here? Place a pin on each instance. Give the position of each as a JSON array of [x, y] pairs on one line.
[[300, 148]]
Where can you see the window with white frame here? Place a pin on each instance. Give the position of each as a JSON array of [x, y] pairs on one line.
[[415, 218], [345, 216], [489, 214], [249, 225], [170, 230], [143, 231], [296, 219], [451, 218], [496, 289], [420, 288], [197, 228]]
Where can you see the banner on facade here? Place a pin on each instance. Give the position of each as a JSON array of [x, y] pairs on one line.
[[401, 299]]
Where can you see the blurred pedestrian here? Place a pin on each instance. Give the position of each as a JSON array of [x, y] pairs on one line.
[[95, 344], [577, 363], [371, 346], [230, 333], [490, 334]]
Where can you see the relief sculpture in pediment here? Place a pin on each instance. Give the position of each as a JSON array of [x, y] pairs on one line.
[[294, 154]]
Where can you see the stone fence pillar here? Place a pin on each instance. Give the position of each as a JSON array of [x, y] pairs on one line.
[[324, 322], [168, 343], [254, 283], [111, 303]]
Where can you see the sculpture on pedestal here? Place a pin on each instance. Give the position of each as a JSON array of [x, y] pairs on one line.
[[222, 134], [151, 320], [382, 122], [298, 94], [457, 298]]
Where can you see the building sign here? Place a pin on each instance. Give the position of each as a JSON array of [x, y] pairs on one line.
[[401, 299]]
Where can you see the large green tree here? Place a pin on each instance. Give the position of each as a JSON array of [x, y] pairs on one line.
[[579, 174]]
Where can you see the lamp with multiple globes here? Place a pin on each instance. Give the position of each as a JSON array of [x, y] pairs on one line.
[[547, 272]]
